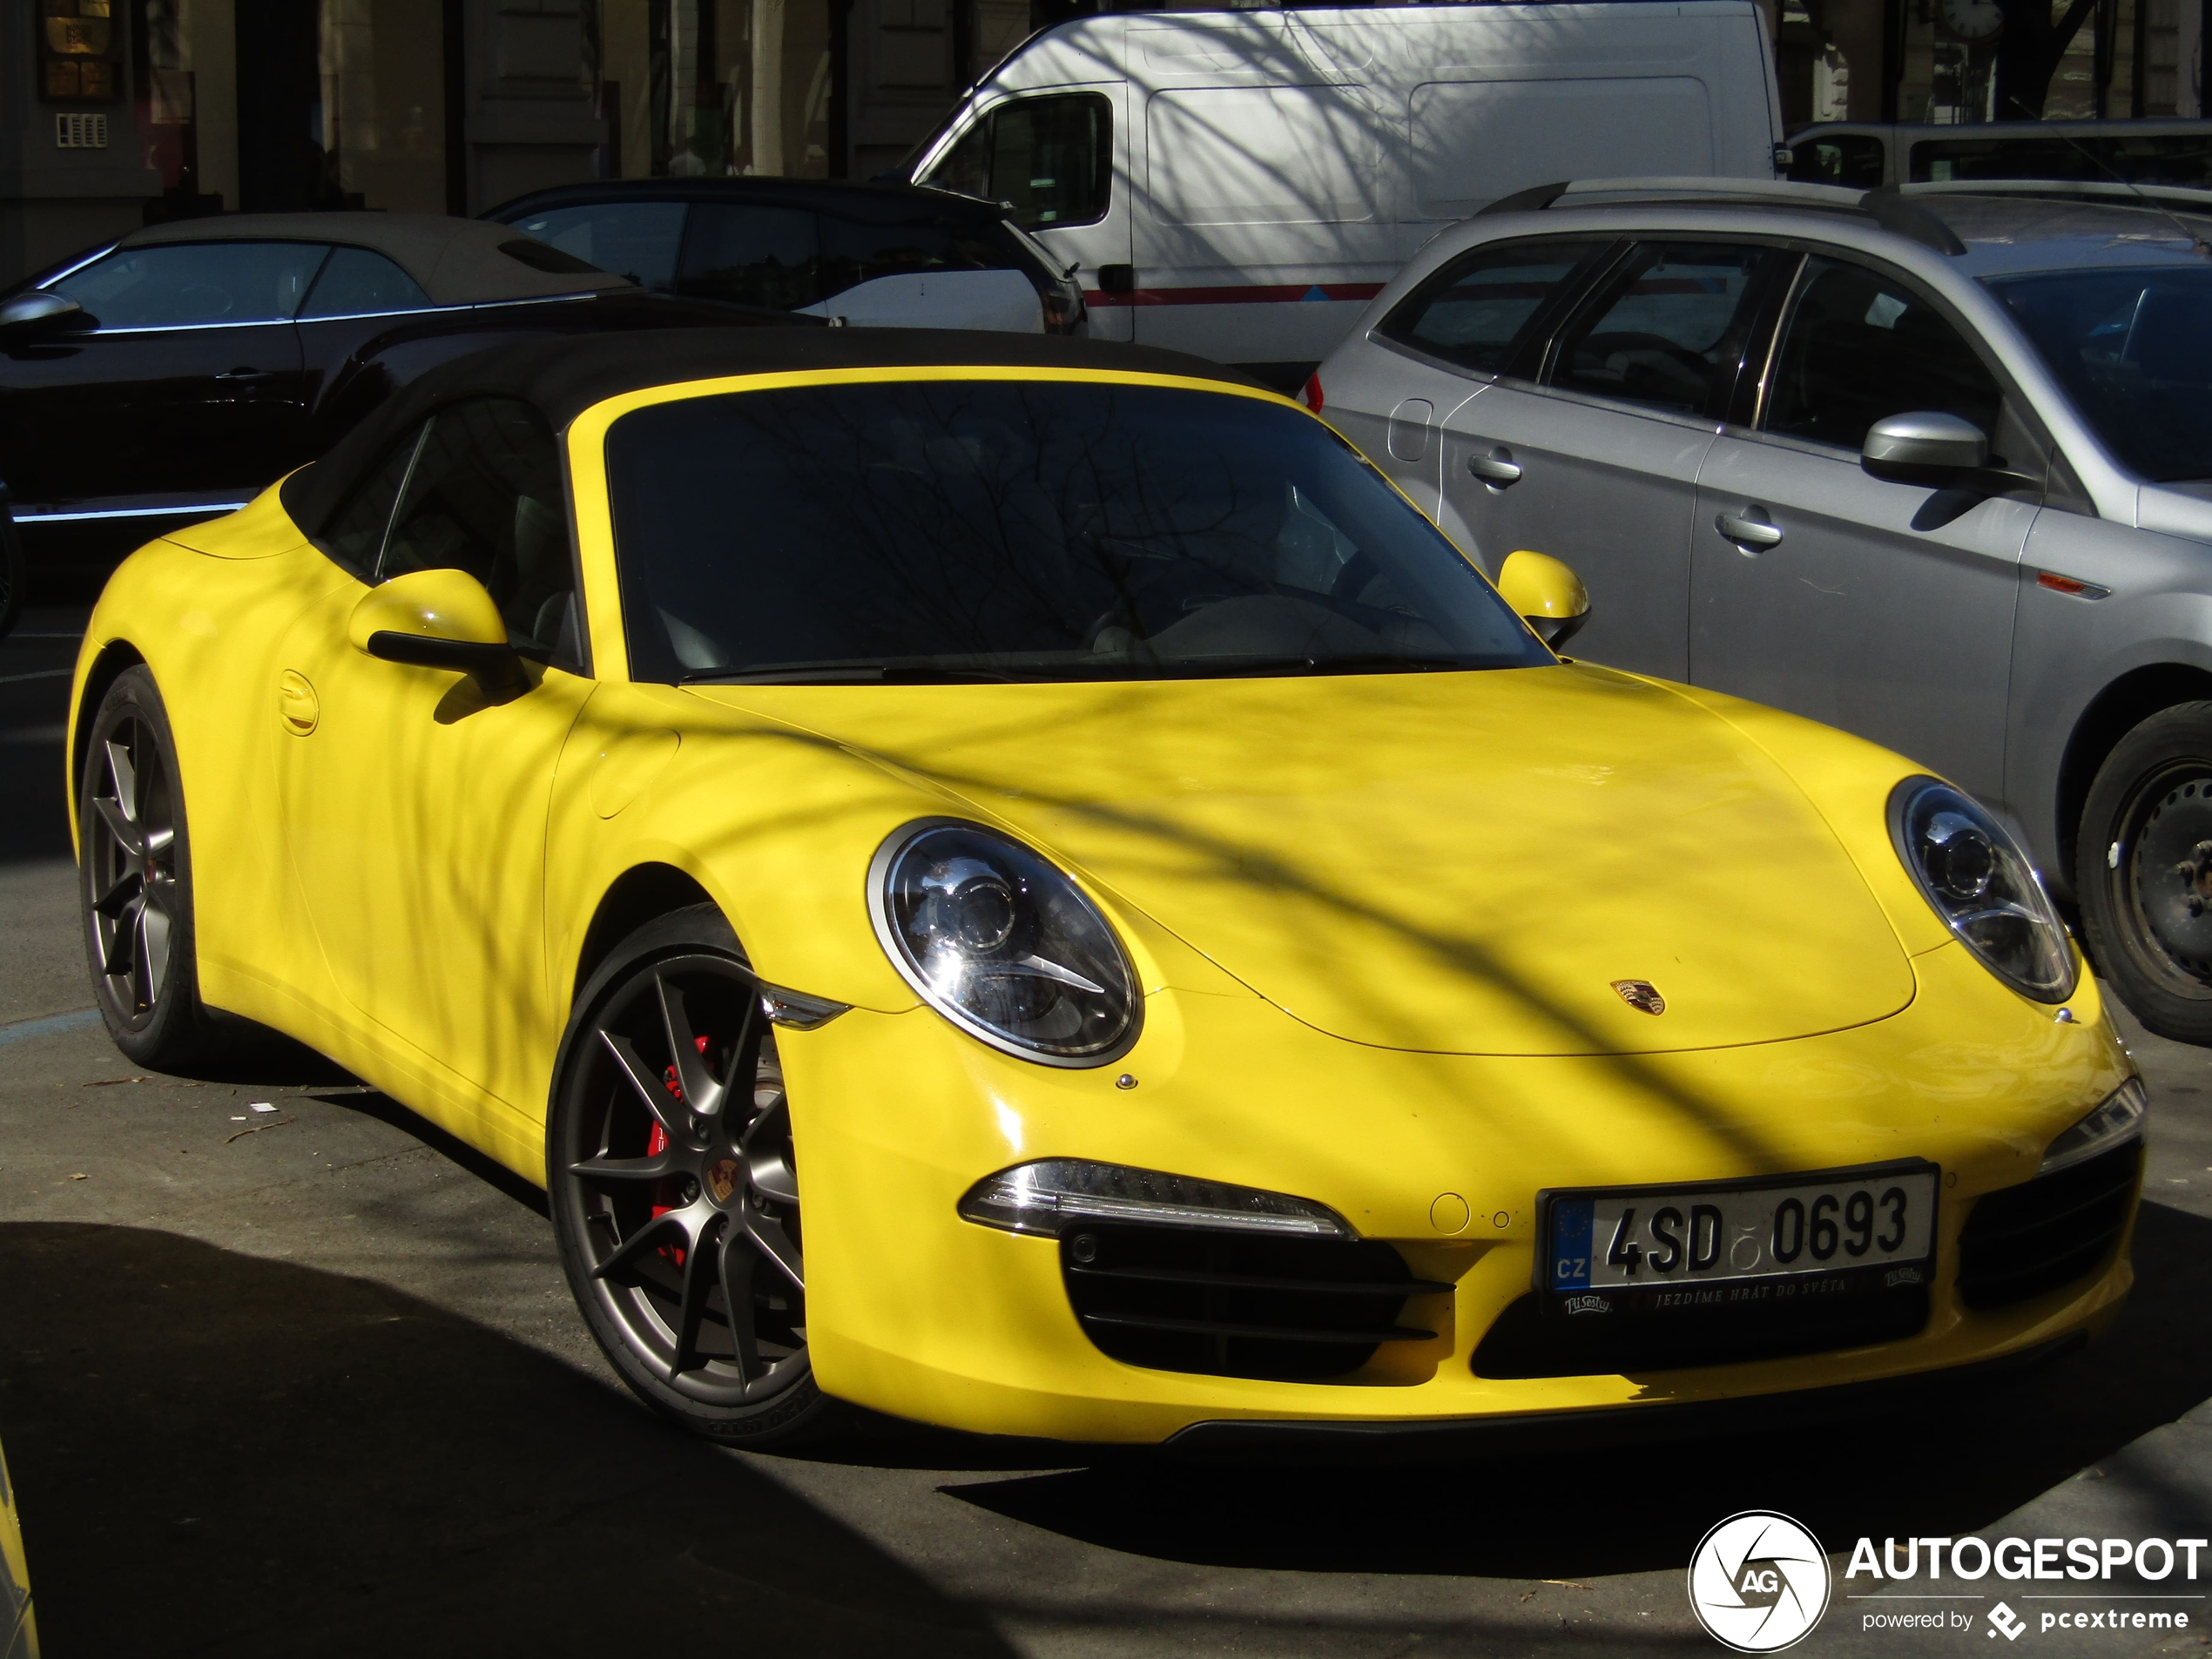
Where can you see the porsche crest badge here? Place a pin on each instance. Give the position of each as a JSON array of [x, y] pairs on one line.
[[722, 1176], [1641, 993]]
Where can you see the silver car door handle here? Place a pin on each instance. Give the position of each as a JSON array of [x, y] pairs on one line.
[[1751, 528], [1497, 468], [242, 372]]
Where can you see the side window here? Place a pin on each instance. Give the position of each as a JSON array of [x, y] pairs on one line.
[[484, 496], [184, 284], [355, 282], [853, 252], [1859, 347], [356, 536], [1051, 157], [1477, 312], [1666, 331], [1855, 160], [636, 240], [754, 256]]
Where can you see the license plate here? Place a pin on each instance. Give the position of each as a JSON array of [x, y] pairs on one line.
[[1734, 1243]]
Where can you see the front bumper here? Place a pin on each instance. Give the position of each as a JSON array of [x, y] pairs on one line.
[[917, 1314]]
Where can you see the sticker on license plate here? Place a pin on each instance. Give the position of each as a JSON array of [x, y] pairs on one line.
[[1870, 1225]]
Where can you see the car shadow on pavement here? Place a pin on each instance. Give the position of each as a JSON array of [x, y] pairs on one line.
[[1945, 1472], [218, 1452]]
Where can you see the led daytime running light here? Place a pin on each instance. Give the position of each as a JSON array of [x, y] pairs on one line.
[[2116, 1122], [1054, 1194]]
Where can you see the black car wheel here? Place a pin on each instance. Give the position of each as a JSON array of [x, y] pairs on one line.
[[135, 878], [674, 1189], [2143, 871]]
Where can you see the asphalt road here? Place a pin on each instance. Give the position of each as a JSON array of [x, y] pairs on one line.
[[307, 1381]]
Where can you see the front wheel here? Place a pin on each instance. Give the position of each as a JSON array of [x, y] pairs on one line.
[[135, 878], [2143, 871], [674, 1189]]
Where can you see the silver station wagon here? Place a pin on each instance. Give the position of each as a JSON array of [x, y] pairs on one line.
[[1934, 467]]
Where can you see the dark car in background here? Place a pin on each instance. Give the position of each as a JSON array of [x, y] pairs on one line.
[[884, 255], [172, 374]]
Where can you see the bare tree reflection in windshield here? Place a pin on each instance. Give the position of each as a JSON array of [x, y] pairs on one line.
[[1025, 529]]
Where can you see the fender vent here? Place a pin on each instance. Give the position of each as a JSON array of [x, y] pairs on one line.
[[2022, 1241], [1233, 1305]]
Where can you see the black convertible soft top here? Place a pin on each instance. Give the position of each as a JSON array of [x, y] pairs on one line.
[[562, 377]]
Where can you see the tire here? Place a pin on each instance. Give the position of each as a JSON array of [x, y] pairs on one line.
[[134, 879], [673, 1188], [2143, 871]]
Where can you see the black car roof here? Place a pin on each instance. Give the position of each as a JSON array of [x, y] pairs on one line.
[[871, 204], [562, 377]]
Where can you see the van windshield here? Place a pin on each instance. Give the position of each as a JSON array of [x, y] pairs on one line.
[[1032, 529], [2134, 350]]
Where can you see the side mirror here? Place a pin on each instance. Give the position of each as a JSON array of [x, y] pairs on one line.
[[1546, 594], [26, 316], [436, 619], [1924, 448]]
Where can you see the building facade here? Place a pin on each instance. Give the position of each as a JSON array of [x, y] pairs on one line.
[[116, 113]]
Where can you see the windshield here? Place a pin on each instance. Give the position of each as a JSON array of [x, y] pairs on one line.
[[1032, 529], [2133, 349]]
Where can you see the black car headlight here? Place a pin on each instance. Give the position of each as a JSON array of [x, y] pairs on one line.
[[1982, 885], [1003, 944]]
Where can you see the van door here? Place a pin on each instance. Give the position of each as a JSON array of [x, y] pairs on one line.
[[1061, 160], [1271, 222]]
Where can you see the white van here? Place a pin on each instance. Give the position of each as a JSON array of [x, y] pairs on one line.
[[1240, 183]]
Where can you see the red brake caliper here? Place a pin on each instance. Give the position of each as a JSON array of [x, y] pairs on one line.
[[656, 1142]]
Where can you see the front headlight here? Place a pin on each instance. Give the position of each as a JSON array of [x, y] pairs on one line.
[[1983, 885], [2115, 1122], [1003, 944]]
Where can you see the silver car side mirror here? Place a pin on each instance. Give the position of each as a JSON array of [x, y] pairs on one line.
[[38, 313], [1925, 447]]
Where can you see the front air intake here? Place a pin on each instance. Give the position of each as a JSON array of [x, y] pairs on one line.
[[2022, 1241], [1236, 1304]]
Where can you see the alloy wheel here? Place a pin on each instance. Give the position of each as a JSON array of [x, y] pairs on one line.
[[681, 1164], [130, 867]]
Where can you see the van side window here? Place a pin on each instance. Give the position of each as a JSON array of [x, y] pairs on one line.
[[1051, 157], [1859, 347], [1666, 330], [485, 496], [1477, 311]]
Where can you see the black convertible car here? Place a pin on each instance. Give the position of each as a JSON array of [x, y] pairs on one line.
[[171, 374]]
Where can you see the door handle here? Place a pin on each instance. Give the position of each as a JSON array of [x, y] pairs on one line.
[[1750, 530], [1497, 468], [243, 373]]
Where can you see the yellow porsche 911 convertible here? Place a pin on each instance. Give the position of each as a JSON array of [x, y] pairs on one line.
[[1019, 885]]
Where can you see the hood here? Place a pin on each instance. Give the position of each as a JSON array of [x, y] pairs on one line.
[[1456, 863]]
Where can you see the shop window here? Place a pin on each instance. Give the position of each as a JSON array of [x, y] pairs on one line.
[[78, 51]]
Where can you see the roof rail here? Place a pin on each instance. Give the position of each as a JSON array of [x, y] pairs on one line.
[[1885, 207]]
